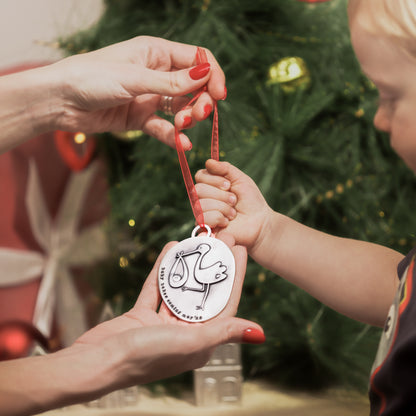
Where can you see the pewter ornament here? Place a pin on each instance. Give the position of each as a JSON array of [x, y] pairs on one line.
[[196, 278]]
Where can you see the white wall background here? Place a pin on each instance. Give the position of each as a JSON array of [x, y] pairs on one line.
[[24, 23]]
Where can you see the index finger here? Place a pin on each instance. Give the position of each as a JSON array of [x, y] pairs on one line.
[[185, 56], [216, 82], [217, 77]]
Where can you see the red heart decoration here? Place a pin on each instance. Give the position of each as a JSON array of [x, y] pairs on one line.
[[76, 156]]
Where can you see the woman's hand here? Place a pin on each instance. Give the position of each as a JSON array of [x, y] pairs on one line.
[[145, 344], [157, 344], [120, 87], [117, 88]]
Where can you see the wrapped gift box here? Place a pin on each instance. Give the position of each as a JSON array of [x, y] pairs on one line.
[[50, 225]]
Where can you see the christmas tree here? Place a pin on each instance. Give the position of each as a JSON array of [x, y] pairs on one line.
[[298, 120]]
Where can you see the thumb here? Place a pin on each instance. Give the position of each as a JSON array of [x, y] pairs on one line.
[[171, 83], [225, 169], [237, 330]]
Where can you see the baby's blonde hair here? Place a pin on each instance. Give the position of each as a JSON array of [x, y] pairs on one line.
[[395, 19]]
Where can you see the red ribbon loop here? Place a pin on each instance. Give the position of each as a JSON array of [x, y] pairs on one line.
[[201, 57]]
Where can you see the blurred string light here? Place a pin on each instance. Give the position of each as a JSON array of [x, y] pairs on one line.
[[80, 138]]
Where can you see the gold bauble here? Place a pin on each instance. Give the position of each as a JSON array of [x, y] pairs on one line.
[[127, 136], [291, 73]]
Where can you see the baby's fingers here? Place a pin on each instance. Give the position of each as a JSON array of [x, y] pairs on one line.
[[215, 219], [203, 176], [207, 191], [223, 208]]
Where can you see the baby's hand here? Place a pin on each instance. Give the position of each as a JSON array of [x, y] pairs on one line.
[[231, 201], [215, 194]]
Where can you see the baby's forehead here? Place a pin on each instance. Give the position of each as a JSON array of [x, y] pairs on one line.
[[393, 20], [387, 65]]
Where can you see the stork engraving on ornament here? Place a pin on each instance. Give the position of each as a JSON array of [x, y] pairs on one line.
[[204, 275]]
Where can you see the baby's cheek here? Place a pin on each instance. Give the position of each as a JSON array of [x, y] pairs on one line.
[[403, 142]]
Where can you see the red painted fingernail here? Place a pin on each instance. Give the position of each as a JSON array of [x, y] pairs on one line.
[[253, 336], [199, 71], [187, 121], [225, 93], [186, 143], [207, 110]]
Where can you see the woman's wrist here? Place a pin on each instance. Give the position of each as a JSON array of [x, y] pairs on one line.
[[44, 98], [30, 105], [76, 374], [86, 372]]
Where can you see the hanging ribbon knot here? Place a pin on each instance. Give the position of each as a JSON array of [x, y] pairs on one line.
[[201, 58], [63, 247]]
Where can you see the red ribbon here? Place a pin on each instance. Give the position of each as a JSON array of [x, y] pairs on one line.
[[201, 58]]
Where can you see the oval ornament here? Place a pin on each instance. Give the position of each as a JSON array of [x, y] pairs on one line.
[[196, 278]]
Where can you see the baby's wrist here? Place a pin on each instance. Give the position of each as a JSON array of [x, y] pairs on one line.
[[267, 237]]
